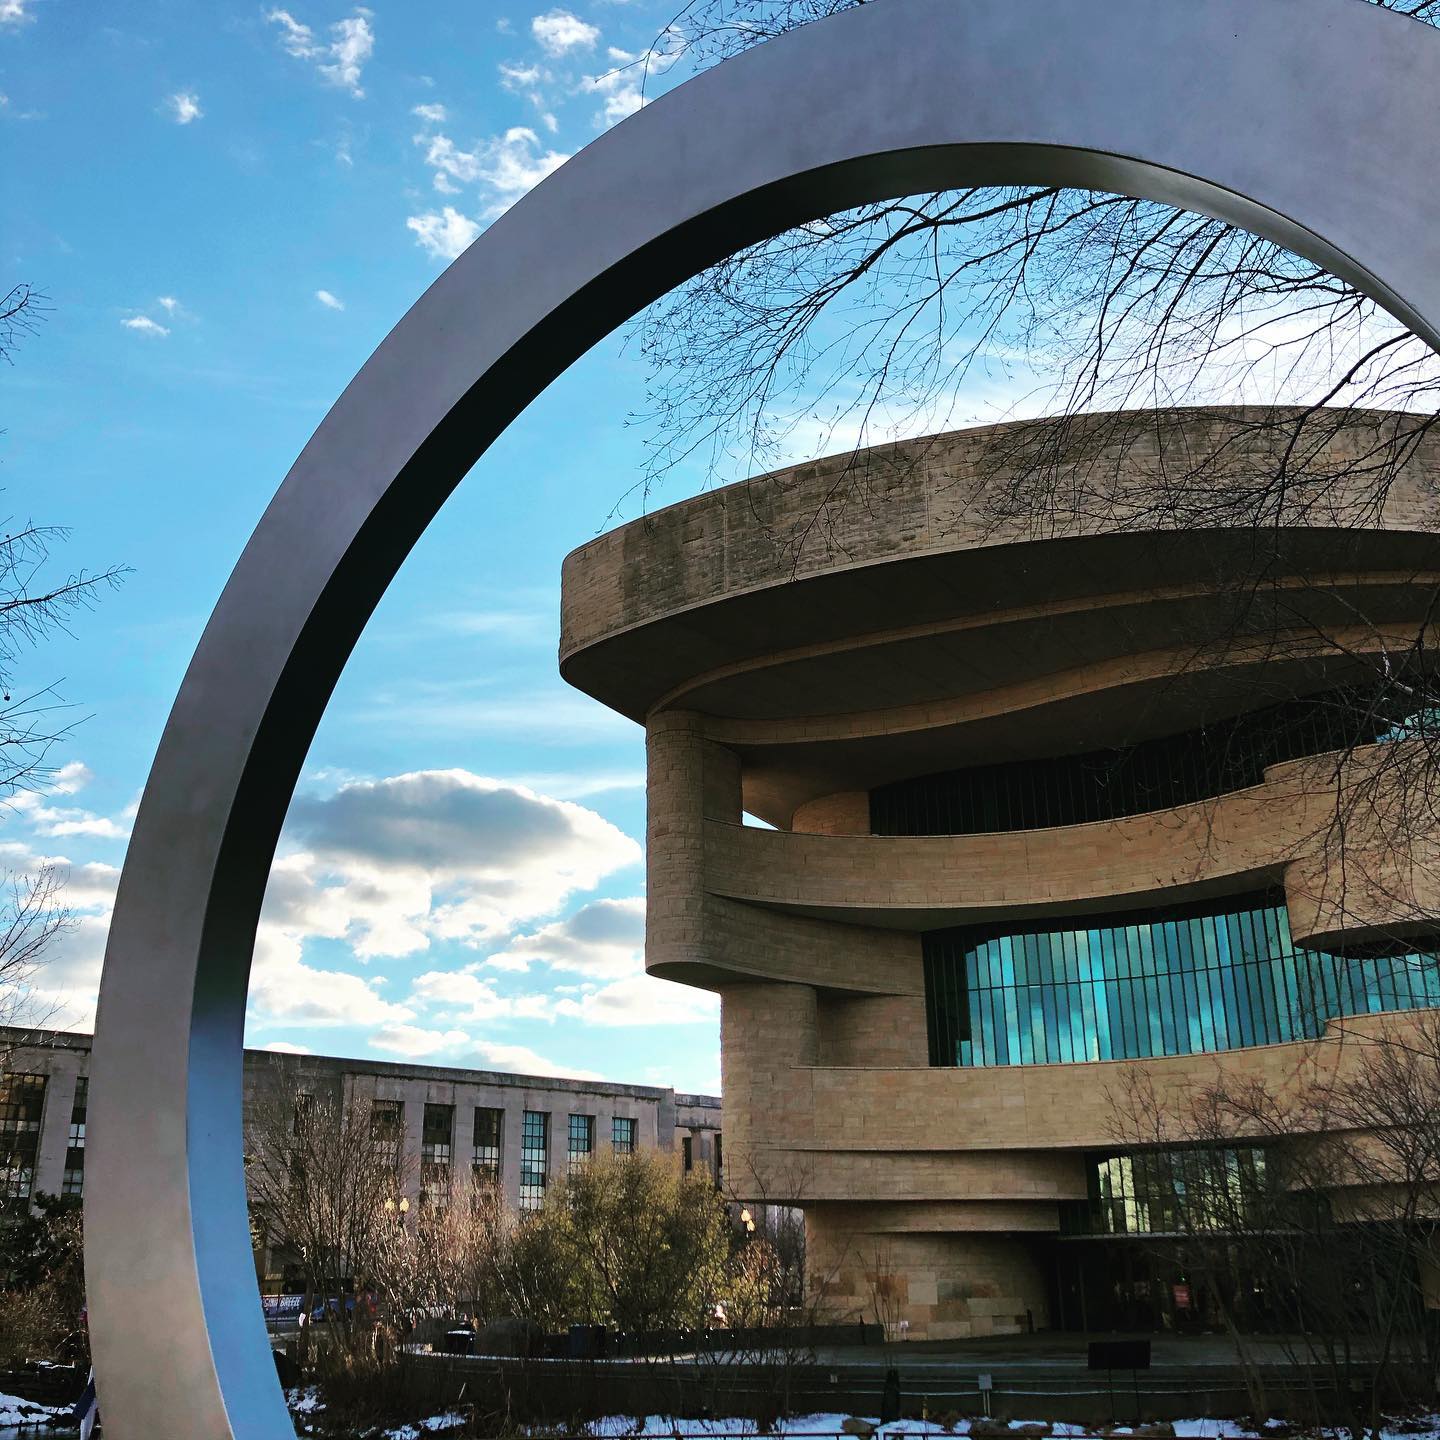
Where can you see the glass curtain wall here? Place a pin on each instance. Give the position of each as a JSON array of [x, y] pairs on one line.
[[1160, 982]]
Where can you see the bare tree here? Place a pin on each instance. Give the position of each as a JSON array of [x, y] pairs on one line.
[[1308, 1208], [322, 1189], [35, 604]]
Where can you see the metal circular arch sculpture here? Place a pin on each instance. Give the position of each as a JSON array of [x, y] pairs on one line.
[[1312, 122]]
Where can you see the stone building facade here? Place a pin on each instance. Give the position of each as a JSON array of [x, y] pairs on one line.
[[1024, 830], [525, 1130]]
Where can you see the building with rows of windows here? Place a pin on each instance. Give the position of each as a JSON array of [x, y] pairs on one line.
[[1038, 802], [441, 1127]]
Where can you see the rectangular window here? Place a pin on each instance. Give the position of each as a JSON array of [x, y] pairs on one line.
[[582, 1140], [74, 1181], [387, 1127], [687, 1150], [485, 1157], [436, 1144], [22, 1102], [534, 1158], [622, 1135], [719, 1164]]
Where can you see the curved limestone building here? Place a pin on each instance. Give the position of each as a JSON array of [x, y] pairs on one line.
[[1044, 805]]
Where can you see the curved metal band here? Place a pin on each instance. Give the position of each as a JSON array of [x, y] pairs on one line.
[[1313, 122]]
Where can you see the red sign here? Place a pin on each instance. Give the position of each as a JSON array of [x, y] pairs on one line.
[[1182, 1296]]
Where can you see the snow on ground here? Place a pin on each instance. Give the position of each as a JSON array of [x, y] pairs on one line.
[[826, 1424], [15, 1411], [664, 1427], [434, 1423]]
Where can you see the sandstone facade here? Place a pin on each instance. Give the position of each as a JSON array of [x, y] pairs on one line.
[[795, 643]]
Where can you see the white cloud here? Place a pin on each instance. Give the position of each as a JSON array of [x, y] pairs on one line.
[[64, 990], [520, 1060], [620, 88], [169, 304], [391, 866], [60, 821], [559, 32], [508, 165], [518, 78], [70, 777], [286, 1047], [13, 12], [413, 1041], [297, 39], [339, 62], [329, 301], [642, 1000], [469, 1000], [604, 939], [430, 114], [443, 234], [286, 990], [354, 44], [144, 325], [184, 107]]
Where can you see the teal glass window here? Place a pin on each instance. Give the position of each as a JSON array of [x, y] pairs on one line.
[[1169, 1192], [1177, 981]]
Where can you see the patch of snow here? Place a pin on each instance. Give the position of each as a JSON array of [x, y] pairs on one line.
[[304, 1402], [1214, 1429], [15, 1411], [451, 1421]]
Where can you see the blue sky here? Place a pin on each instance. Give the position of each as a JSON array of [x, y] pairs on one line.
[[229, 206]]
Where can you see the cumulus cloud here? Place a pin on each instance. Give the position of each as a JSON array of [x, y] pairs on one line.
[[641, 1000], [286, 990], [391, 865], [169, 304], [13, 12], [602, 939], [558, 32], [620, 88], [329, 301], [519, 78], [413, 1041], [520, 1060], [504, 167], [184, 107], [72, 776], [144, 325], [65, 987], [338, 61], [430, 114], [443, 234], [62, 821], [507, 165], [467, 999], [286, 1047]]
